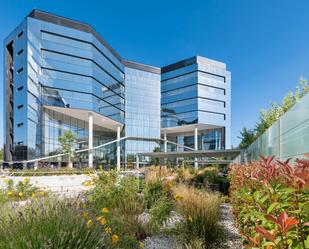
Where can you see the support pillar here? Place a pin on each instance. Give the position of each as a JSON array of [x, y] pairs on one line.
[[137, 161], [118, 148], [165, 145], [165, 142], [195, 145], [90, 140]]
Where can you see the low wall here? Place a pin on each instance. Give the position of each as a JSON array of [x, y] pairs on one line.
[[72, 184]]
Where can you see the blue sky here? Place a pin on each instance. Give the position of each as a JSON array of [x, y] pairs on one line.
[[265, 44]]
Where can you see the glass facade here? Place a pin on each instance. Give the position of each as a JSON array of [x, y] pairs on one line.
[[55, 124], [196, 92], [142, 110], [210, 139], [57, 70]]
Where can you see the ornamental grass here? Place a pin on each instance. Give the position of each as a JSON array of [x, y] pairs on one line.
[[201, 210], [49, 223]]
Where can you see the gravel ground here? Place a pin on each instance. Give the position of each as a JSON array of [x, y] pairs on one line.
[[159, 242], [233, 240]]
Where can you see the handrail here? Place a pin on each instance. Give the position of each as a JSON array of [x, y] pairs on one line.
[[98, 147]]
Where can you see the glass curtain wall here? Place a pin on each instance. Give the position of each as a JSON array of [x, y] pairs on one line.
[[142, 110]]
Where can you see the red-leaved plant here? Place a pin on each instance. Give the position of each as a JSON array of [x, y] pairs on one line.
[[271, 203]]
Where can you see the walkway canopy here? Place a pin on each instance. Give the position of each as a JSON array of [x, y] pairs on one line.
[[212, 156]]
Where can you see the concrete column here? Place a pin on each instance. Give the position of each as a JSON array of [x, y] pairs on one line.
[[165, 146], [165, 142], [137, 161], [118, 147], [36, 165], [195, 145], [90, 139]]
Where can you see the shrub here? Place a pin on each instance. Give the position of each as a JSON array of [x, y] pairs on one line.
[[120, 196], [201, 211], [160, 211], [21, 191], [49, 224], [271, 203], [154, 191]]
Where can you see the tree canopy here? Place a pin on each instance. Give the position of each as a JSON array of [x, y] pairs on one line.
[[67, 141], [268, 117]]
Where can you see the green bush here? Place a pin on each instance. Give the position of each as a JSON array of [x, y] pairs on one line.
[[271, 203], [120, 196], [154, 191], [49, 224], [160, 211], [22, 190]]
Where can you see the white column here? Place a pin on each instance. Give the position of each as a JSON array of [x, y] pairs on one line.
[[118, 148], [165, 145], [137, 161], [90, 139], [165, 142], [195, 145]]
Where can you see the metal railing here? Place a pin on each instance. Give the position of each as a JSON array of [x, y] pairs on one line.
[[97, 147]]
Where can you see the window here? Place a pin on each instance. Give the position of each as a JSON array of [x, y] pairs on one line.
[[20, 70], [20, 106], [20, 88], [20, 52], [20, 34], [20, 125]]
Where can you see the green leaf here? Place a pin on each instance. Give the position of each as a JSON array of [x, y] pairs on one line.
[[272, 206], [264, 198], [256, 195], [269, 243]]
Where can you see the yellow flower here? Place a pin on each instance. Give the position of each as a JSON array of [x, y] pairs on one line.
[[85, 215], [99, 218], [141, 245], [87, 183], [169, 184], [103, 221], [115, 238], [41, 193], [190, 218], [25, 181], [178, 197], [89, 223], [108, 230], [20, 194], [10, 193], [105, 210], [33, 195]]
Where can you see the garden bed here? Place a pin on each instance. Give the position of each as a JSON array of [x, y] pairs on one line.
[[111, 213]]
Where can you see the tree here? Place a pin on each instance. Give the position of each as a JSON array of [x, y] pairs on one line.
[[269, 117], [1, 154], [67, 141], [247, 137], [155, 161]]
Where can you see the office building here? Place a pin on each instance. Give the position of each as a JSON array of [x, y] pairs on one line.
[[61, 75]]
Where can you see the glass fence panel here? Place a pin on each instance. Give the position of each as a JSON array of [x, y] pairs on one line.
[[287, 138]]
